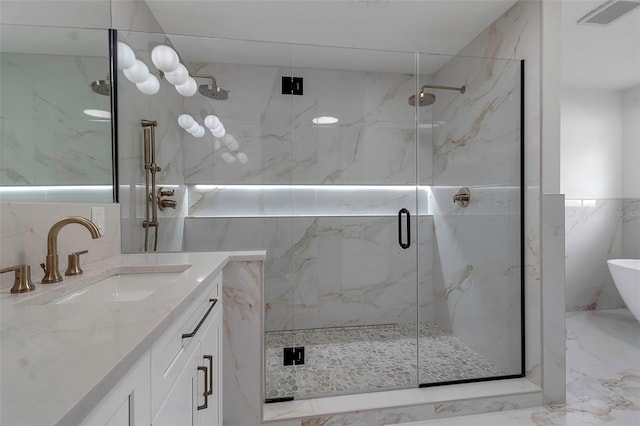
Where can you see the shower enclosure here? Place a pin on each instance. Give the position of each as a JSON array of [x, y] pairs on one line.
[[377, 276]]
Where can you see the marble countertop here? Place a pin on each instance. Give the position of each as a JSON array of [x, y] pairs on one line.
[[59, 360]]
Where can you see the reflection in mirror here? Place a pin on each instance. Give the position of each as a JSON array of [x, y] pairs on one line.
[[55, 115]]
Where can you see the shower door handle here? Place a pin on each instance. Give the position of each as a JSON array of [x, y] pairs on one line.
[[406, 213]]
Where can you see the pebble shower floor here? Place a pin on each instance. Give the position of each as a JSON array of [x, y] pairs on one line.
[[347, 360]]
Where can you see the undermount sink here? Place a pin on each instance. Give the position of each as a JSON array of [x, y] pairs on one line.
[[129, 284]]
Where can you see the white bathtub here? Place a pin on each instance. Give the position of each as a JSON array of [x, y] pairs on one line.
[[626, 275]]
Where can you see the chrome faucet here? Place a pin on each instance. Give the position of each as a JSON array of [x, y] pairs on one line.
[[51, 271]]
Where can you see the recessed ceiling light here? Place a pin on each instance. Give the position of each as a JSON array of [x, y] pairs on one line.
[[98, 113], [324, 120]]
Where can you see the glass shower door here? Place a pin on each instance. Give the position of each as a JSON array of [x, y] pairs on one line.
[[470, 146], [354, 251]]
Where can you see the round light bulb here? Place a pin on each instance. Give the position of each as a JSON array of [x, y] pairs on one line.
[[199, 133], [165, 58], [242, 157], [193, 128], [179, 76], [125, 56], [228, 158], [189, 88], [185, 121], [231, 142], [219, 132], [217, 128], [150, 86], [137, 73], [211, 121]]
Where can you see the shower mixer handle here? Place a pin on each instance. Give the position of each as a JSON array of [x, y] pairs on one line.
[[462, 197], [163, 204]]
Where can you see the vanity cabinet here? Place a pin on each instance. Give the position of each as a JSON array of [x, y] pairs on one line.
[[195, 396], [178, 381], [128, 402]]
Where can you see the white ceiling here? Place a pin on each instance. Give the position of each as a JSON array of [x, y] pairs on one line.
[[432, 26], [601, 57]]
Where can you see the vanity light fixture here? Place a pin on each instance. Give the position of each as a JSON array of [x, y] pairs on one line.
[[165, 58], [324, 120], [190, 125], [136, 71]]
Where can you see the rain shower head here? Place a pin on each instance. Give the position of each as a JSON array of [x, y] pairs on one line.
[[427, 98], [101, 87], [212, 91]]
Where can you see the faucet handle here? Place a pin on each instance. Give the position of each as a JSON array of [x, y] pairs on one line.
[[22, 283], [73, 267], [162, 192]]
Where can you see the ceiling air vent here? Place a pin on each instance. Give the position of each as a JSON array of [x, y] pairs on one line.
[[608, 12]]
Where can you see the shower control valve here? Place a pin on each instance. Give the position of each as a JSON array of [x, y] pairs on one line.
[[462, 197], [163, 204]]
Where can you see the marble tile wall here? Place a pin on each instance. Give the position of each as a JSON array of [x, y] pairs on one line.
[[477, 287], [24, 229], [243, 342], [329, 271], [631, 228], [46, 137], [163, 107], [597, 230], [374, 142], [515, 35], [477, 145], [337, 262]]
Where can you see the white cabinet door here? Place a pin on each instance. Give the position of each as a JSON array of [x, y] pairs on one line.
[[211, 348], [180, 405], [128, 402]]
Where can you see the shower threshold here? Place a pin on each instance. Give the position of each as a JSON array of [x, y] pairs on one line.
[[354, 360]]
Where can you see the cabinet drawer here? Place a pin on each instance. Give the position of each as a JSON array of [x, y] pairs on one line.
[[169, 352]]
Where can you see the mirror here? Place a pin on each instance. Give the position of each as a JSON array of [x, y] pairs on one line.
[[55, 115]]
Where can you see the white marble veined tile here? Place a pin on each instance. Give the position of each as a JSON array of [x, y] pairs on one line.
[[593, 235], [304, 200], [66, 146], [603, 377], [243, 359], [331, 271], [631, 228], [24, 231]]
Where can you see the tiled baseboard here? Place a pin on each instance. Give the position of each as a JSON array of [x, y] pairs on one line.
[[401, 406]]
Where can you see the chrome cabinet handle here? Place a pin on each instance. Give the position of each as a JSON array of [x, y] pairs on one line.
[[210, 359], [205, 393], [195, 330]]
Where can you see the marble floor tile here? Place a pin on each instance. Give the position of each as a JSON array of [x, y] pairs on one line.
[[346, 360], [603, 378]]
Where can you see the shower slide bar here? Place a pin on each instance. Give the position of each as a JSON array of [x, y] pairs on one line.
[[150, 170], [152, 197]]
